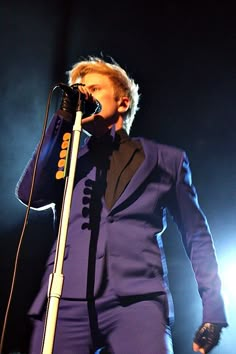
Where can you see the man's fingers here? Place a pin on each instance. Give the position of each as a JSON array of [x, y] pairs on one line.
[[85, 91], [196, 348]]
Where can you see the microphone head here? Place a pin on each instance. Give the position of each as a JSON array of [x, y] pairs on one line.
[[86, 103], [90, 106]]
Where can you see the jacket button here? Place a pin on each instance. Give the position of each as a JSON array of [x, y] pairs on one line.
[[110, 219]]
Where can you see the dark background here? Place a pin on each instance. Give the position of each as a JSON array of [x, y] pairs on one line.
[[183, 57]]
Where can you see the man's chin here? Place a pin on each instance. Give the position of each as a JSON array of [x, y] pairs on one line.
[[96, 126]]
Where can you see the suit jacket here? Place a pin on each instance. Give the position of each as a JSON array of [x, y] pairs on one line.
[[125, 241]]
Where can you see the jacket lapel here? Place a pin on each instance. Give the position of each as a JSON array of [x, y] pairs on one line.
[[141, 174]]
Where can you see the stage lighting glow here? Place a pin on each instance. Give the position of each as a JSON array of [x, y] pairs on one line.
[[227, 272]]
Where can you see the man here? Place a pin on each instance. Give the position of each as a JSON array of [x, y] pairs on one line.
[[115, 293]]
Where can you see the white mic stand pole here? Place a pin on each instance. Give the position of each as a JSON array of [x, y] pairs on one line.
[[56, 278]]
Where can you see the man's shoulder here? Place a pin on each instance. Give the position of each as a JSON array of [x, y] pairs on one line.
[[158, 147], [168, 157]]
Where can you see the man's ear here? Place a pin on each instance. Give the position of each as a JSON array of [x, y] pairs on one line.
[[124, 104]]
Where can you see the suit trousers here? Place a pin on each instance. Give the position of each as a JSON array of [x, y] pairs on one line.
[[133, 325]]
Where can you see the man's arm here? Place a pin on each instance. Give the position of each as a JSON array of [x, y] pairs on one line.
[[199, 246], [47, 188]]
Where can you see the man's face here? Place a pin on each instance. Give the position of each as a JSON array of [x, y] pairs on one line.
[[101, 88]]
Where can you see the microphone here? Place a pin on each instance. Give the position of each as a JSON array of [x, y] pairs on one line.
[[88, 104]]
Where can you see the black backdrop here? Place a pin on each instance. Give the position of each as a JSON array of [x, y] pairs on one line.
[[183, 57]]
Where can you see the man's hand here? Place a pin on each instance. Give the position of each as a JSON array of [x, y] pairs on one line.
[[69, 102], [206, 337]]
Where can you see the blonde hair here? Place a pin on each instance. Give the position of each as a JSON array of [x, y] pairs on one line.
[[123, 84]]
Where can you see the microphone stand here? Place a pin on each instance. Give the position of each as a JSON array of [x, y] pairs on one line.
[[56, 277]]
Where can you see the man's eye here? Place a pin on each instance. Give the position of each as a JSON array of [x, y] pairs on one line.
[[94, 89]]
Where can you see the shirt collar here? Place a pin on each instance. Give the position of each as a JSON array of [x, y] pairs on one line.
[[112, 137]]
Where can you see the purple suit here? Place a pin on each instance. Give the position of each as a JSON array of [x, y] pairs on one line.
[[128, 237]]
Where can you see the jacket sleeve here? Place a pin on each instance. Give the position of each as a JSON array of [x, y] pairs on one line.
[[47, 190], [198, 243]]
